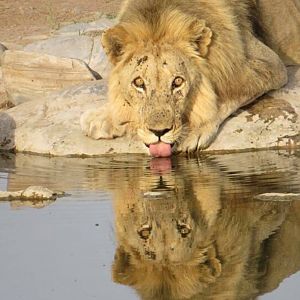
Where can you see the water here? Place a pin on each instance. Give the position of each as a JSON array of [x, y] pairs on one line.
[[134, 228]]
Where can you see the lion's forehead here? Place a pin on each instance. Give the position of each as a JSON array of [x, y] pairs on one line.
[[164, 64]]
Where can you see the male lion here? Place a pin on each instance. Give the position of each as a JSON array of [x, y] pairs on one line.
[[180, 68]]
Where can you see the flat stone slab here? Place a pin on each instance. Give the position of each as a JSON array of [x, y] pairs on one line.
[[51, 125], [30, 75], [79, 41], [87, 48]]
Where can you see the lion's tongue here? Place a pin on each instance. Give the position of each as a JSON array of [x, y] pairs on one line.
[[160, 150]]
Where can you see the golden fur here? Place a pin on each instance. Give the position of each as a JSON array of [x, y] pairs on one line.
[[212, 46], [201, 236]]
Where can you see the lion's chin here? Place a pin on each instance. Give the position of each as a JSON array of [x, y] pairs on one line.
[[160, 149]]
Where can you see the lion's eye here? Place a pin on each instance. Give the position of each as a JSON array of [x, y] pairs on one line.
[[145, 231], [183, 229], [139, 83], [177, 82]]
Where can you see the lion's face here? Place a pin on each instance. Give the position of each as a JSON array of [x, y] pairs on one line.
[[157, 78], [155, 84]]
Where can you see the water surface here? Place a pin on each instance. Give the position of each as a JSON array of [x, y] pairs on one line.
[[135, 228]]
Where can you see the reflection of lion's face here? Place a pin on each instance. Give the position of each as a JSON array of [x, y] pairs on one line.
[[156, 83], [162, 230]]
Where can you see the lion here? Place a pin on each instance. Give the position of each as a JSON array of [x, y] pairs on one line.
[[193, 233], [180, 68]]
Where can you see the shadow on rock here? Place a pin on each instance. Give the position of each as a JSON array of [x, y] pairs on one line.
[[7, 132]]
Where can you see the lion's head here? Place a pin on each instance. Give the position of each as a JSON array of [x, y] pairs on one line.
[[156, 77]]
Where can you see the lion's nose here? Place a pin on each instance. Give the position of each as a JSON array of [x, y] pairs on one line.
[[160, 133]]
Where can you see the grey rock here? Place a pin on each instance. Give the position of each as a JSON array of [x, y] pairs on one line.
[[87, 48], [82, 28], [7, 129], [51, 126], [78, 47], [98, 60], [29, 75]]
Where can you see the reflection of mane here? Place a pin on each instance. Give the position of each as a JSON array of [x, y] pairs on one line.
[[182, 237]]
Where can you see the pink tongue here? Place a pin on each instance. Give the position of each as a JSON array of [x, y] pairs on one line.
[[160, 150]]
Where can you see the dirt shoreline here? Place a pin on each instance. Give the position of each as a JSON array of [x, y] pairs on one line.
[[23, 21]]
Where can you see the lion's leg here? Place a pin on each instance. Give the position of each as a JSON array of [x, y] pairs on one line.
[[262, 72]]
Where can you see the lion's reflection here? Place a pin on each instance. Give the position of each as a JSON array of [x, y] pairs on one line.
[[183, 236]]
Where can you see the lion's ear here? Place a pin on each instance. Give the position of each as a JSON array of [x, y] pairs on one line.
[[113, 41], [122, 271], [212, 267], [201, 36]]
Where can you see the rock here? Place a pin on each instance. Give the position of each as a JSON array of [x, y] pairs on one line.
[[33, 196], [29, 76], [277, 197], [83, 28], [2, 50], [7, 130], [80, 41], [32, 193], [79, 47], [98, 60], [51, 126], [85, 48]]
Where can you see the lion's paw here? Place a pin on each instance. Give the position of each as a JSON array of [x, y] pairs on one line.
[[98, 124], [198, 139]]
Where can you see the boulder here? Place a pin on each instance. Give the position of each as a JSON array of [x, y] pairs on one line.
[[84, 47], [3, 96], [29, 75], [7, 129], [79, 47], [51, 125], [80, 41]]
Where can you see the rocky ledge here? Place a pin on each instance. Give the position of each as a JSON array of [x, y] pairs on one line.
[[51, 88]]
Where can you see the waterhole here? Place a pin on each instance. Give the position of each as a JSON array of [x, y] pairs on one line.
[[132, 227]]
